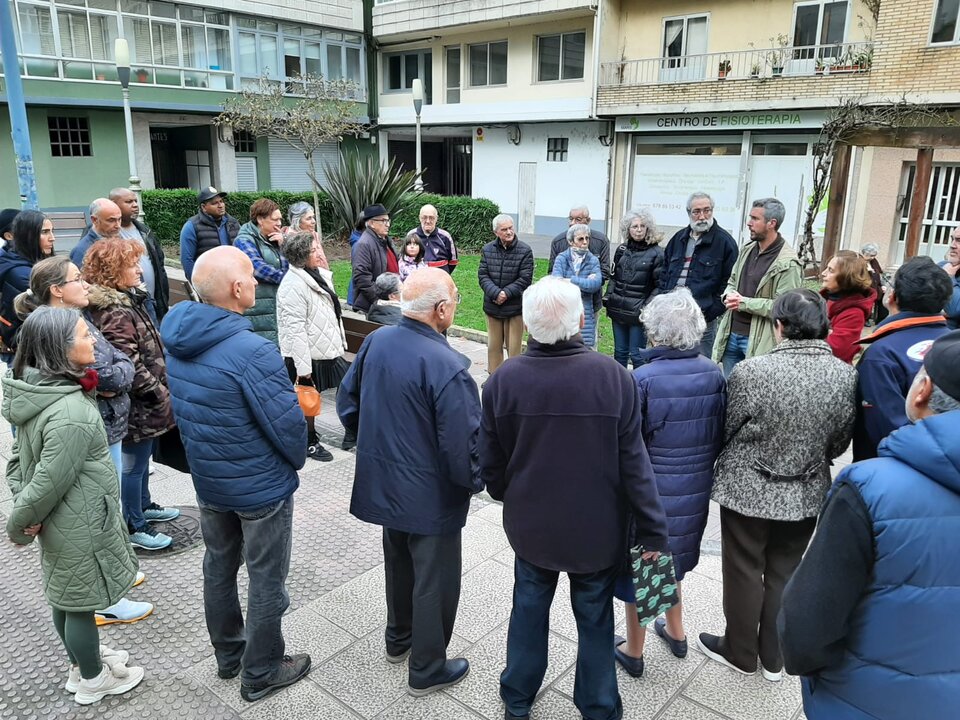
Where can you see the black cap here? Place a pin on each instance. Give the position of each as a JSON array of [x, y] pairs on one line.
[[942, 363], [6, 219], [372, 211], [208, 194]]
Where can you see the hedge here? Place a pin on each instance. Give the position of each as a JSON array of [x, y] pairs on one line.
[[467, 219]]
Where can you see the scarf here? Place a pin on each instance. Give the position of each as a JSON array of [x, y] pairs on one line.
[[89, 380], [318, 278]]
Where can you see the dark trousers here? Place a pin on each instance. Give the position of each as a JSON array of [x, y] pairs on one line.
[[595, 691], [759, 556], [423, 591], [263, 539]]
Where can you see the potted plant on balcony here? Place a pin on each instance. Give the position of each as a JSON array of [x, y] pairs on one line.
[[725, 68], [142, 75], [777, 55], [755, 70]]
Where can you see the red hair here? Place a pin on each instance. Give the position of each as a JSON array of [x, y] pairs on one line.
[[107, 259]]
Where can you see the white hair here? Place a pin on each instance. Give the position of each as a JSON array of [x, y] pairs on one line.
[[674, 320], [552, 309], [500, 220], [425, 303]]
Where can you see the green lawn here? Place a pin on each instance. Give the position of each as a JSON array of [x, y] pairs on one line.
[[470, 312]]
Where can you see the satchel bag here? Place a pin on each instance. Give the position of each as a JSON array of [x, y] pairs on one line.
[[654, 584], [309, 400], [168, 450]]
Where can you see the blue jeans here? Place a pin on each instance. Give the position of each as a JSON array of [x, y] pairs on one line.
[[709, 336], [735, 352], [628, 341], [595, 691], [116, 454], [262, 538], [134, 482]]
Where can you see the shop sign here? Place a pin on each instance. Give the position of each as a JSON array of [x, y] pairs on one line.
[[698, 122]]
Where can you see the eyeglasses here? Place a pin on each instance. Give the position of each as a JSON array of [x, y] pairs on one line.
[[75, 280], [701, 212], [580, 218], [381, 220], [457, 300]]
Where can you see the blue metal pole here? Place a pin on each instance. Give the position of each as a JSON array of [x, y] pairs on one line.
[[18, 110]]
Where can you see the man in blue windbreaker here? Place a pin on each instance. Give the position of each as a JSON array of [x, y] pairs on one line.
[[245, 439], [870, 616]]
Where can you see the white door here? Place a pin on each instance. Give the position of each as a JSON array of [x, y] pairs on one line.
[[526, 200], [787, 178]]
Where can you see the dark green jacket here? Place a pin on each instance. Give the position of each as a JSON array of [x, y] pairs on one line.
[[60, 474], [269, 267]]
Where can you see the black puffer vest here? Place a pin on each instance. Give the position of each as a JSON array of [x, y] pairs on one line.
[[636, 270], [208, 234]]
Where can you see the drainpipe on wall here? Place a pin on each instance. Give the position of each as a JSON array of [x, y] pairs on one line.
[[597, 11]]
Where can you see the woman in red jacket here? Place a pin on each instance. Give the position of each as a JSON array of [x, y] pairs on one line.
[[848, 290]]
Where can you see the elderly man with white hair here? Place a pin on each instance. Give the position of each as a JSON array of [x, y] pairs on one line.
[[416, 470], [440, 250], [561, 444]]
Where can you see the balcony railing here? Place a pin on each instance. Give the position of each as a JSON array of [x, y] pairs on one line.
[[787, 61]]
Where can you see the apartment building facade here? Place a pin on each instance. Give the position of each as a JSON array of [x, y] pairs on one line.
[[186, 58]]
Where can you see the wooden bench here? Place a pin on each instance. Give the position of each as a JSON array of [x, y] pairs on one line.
[[68, 228]]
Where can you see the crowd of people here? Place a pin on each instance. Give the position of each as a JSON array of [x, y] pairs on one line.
[[730, 381]]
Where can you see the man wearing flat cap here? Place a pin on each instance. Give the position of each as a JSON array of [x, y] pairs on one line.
[[209, 228], [373, 255], [870, 616]]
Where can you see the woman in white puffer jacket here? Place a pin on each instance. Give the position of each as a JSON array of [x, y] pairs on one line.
[[310, 331]]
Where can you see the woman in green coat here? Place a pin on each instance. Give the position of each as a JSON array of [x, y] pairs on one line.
[[64, 487]]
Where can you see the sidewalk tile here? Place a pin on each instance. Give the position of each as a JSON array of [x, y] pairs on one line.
[[357, 606], [437, 706], [743, 697], [302, 700], [481, 540], [486, 597]]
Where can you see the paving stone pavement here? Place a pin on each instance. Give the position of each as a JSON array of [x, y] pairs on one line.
[[337, 614]]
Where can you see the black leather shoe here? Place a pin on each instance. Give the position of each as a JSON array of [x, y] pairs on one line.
[[507, 715], [228, 673], [453, 672], [633, 666], [677, 647], [292, 668]]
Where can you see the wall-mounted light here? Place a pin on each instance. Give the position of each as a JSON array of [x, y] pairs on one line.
[[225, 135], [606, 135], [513, 134]]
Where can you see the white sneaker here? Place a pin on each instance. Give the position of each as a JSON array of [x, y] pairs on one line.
[[771, 676], [138, 580], [124, 611], [114, 680], [108, 656], [151, 469]]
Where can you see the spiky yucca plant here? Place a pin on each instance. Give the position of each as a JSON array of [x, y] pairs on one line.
[[358, 182]]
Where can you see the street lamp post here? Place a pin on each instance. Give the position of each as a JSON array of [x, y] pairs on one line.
[[417, 106], [121, 54]]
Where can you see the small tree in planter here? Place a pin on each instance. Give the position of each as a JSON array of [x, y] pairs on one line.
[[724, 69], [321, 112], [777, 56]]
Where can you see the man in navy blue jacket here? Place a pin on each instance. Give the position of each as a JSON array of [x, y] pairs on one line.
[[561, 443], [245, 439], [895, 350], [416, 411]]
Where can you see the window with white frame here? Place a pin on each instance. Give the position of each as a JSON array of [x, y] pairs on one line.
[[557, 149], [452, 74], [560, 57], [821, 22], [401, 69], [946, 22], [488, 64], [684, 48]]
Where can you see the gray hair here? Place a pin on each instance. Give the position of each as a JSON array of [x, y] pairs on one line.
[[500, 220], [674, 320], [699, 196], [425, 303], [387, 284], [869, 250], [941, 403], [95, 207], [644, 216], [44, 342], [298, 247], [583, 208], [552, 309], [578, 228], [773, 209], [296, 211]]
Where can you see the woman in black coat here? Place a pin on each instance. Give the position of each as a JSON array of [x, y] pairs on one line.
[[636, 271]]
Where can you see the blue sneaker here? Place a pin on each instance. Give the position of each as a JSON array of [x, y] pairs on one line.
[[150, 539], [155, 513]]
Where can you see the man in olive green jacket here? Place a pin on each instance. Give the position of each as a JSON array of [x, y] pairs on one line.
[[766, 268]]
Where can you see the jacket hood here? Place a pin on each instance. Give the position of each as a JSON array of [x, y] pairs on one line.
[[9, 259], [103, 297], [930, 447], [191, 328], [26, 398]]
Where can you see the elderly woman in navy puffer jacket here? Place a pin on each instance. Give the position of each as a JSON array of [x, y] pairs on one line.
[[684, 397], [581, 267]]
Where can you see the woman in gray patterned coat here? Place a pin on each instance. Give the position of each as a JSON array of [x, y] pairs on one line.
[[789, 413]]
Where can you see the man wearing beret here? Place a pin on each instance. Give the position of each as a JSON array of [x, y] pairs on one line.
[[870, 616], [373, 255]]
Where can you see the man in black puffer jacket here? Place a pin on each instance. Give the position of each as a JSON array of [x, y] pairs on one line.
[[506, 270]]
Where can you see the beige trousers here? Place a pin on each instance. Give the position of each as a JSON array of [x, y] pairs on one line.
[[503, 333]]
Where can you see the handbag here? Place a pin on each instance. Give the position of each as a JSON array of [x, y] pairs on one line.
[[168, 450], [654, 584], [309, 400]]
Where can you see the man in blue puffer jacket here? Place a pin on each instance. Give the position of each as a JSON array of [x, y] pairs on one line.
[[870, 616], [245, 438]]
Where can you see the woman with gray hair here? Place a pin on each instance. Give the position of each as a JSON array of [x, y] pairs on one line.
[[309, 326], [636, 271], [303, 219], [581, 267], [683, 401], [386, 310], [65, 492]]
